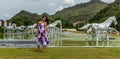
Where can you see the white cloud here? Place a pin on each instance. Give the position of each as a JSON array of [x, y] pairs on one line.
[[51, 4], [108, 1], [60, 8], [69, 2]]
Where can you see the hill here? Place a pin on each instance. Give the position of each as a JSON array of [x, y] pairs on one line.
[[69, 16], [27, 18], [80, 12], [111, 10]]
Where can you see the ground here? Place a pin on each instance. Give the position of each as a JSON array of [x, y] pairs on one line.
[[60, 53]]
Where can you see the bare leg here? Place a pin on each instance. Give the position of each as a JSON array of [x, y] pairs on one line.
[[44, 44], [38, 46], [40, 49]]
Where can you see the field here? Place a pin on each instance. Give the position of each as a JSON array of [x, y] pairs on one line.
[[60, 53]]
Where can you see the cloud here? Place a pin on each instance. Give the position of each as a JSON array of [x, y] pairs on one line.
[[108, 1], [60, 8], [51, 4], [69, 2]]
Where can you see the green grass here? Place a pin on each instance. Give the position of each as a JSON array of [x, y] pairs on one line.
[[60, 53], [90, 43], [81, 43]]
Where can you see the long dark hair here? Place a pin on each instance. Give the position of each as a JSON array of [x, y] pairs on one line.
[[46, 19]]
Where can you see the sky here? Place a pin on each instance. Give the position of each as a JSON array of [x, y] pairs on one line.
[[8, 8]]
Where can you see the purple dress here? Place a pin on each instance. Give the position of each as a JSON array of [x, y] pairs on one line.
[[41, 39]]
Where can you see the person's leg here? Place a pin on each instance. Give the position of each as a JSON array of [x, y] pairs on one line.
[[38, 46], [41, 47], [44, 43], [44, 46]]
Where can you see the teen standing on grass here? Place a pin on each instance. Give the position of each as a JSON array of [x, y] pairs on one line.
[[42, 35]]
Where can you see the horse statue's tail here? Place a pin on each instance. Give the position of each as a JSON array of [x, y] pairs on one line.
[[114, 30], [85, 27]]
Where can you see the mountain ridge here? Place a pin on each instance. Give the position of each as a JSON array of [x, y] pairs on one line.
[[78, 13]]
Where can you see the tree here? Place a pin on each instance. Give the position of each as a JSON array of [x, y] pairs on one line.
[[118, 20], [21, 20]]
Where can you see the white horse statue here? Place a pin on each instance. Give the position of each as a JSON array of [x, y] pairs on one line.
[[55, 32], [103, 34], [10, 28], [96, 28], [20, 28], [54, 24], [32, 26]]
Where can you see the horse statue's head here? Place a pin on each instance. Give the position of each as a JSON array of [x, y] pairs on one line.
[[14, 25], [114, 20], [22, 26], [35, 24], [54, 24]]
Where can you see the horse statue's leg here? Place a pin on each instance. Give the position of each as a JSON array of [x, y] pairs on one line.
[[93, 38], [97, 37], [103, 36], [87, 36], [107, 39]]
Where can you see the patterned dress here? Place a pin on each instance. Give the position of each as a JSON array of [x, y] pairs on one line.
[[41, 39]]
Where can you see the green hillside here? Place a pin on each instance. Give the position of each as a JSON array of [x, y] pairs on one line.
[[27, 18], [80, 12], [111, 10], [24, 18]]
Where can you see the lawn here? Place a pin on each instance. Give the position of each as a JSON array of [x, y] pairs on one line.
[[60, 53]]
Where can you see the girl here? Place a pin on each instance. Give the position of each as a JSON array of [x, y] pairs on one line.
[[42, 36]]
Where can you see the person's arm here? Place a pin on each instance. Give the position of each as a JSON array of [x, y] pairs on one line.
[[45, 29], [38, 27]]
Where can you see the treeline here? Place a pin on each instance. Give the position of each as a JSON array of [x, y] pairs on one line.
[[118, 20], [21, 20]]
